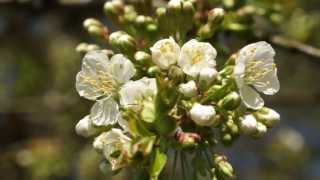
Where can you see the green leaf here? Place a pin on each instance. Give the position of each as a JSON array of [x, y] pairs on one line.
[[159, 161]]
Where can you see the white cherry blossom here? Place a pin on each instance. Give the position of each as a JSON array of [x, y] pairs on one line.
[[195, 56], [254, 71], [98, 80], [115, 146], [165, 53], [100, 77], [134, 92]]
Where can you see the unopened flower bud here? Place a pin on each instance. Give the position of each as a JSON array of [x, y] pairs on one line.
[[188, 139], [161, 12], [261, 130], [207, 76], [227, 139], [175, 5], [95, 27], [188, 8], [142, 57], [130, 14], [186, 104], [91, 22], [267, 116], [228, 3], [248, 124], [85, 47], [206, 31], [216, 92], [96, 30], [123, 41], [215, 16], [203, 115], [113, 8], [92, 47], [223, 167], [176, 74], [85, 127], [188, 89], [230, 101], [141, 20], [153, 70], [152, 28]]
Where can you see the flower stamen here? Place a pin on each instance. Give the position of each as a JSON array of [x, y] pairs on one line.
[[197, 57], [103, 82], [167, 47], [256, 70]]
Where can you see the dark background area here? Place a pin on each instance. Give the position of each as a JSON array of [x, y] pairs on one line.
[[39, 105]]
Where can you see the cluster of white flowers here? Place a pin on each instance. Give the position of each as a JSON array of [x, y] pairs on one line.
[[254, 70], [158, 95], [108, 83]]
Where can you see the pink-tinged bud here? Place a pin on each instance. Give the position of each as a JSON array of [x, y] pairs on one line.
[[188, 139]]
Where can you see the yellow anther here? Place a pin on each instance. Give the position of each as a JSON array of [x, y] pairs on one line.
[[256, 70], [198, 56], [166, 47]]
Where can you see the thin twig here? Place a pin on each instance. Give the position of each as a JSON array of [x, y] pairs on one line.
[[293, 44]]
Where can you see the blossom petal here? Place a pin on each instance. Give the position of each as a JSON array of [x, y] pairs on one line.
[[121, 68], [88, 84], [251, 98], [105, 112]]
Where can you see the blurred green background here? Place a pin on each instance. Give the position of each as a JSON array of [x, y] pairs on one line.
[[39, 106]]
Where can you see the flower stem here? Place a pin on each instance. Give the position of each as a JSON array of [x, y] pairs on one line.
[[209, 163], [173, 174], [182, 166]]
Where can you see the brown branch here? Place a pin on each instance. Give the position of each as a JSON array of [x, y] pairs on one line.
[[296, 45]]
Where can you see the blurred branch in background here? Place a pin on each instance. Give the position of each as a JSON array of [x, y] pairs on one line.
[[296, 45]]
